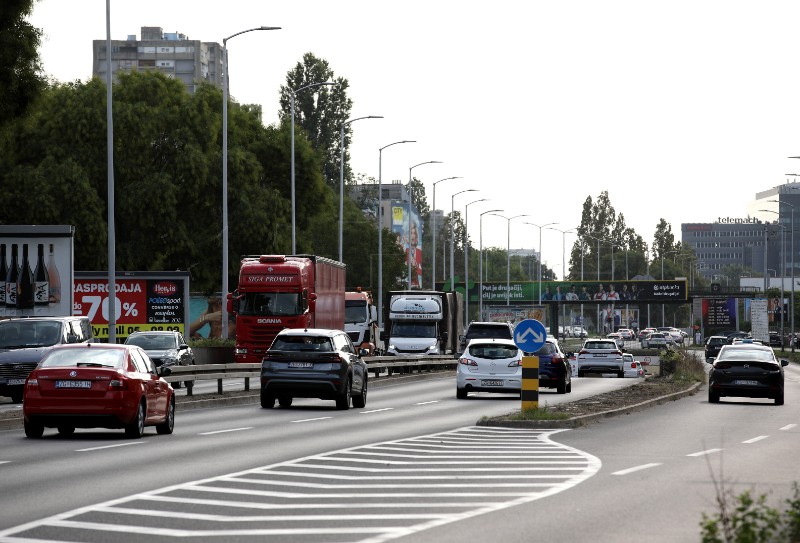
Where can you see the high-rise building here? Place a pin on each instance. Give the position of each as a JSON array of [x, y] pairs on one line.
[[173, 54]]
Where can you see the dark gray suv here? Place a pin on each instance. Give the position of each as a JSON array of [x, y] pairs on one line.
[[484, 330], [24, 341]]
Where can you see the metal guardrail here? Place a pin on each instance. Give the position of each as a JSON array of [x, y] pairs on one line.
[[376, 364]]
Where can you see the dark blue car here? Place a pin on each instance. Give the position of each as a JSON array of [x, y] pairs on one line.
[[555, 370]]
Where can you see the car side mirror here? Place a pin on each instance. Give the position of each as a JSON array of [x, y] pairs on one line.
[[163, 371], [183, 346], [363, 352], [784, 362]]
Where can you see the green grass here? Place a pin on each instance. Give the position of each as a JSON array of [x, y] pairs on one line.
[[538, 413]]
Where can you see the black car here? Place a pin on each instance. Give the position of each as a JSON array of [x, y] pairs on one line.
[[313, 363], [164, 349], [748, 370], [555, 371], [484, 330], [713, 345], [775, 339]]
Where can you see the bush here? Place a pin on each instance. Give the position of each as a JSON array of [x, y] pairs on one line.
[[212, 342], [682, 365]]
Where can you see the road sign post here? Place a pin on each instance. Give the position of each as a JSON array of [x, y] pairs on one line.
[[529, 336]]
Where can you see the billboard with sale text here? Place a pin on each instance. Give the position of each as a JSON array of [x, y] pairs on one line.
[[144, 301]]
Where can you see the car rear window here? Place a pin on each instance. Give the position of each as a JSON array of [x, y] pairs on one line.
[[718, 341], [546, 350], [611, 345], [302, 343], [492, 351], [761, 355], [65, 358], [501, 332]]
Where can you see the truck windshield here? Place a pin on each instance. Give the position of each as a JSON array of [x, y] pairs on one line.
[[413, 329], [355, 311], [270, 303]]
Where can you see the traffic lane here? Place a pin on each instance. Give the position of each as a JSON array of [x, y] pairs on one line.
[[658, 471], [98, 465]]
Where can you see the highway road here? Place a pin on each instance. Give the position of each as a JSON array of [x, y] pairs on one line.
[[411, 466]]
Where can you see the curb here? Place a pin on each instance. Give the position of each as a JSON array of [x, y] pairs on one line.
[[583, 420]]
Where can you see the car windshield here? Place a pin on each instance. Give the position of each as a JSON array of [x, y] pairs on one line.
[[413, 329], [270, 303], [65, 358], [355, 311], [21, 334], [160, 342], [302, 343], [760, 355], [492, 351]]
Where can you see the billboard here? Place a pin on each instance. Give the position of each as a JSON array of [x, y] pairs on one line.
[[35, 261], [586, 292], [407, 226], [144, 301]]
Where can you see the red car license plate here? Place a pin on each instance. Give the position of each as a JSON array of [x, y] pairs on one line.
[[73, 384]]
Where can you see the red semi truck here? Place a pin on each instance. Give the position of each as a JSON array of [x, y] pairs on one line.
[[277, 292]]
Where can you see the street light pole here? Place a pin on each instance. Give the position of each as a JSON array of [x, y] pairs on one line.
[[791, 250], [409, 256], [480, 256], [341, 181], [380, 229], [508, 254], [539, 273], [466, 259], [453, 238], [225, 84], [433, 231], [292, 98]]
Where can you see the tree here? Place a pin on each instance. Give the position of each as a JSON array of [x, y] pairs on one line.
[[21, 79]]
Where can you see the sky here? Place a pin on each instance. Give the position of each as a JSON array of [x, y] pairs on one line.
[[680, 110]]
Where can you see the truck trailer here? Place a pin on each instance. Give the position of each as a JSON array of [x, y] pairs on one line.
[[284, 291], [423, 322]]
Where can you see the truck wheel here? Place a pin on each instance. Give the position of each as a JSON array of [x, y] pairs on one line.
[[267, 401], [343, 401], [361, 400]]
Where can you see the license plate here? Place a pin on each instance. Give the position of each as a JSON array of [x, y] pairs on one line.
[[15, 382], [73, 384], [745, 382], [301, 365], [491, 382]]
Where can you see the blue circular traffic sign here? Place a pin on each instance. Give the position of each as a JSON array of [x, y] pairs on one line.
[[530, 335]]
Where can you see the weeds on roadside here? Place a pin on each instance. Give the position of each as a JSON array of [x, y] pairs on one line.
[[682, 365], [538, 413]]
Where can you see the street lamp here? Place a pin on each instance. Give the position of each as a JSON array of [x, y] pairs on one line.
[[292, 96], [791, 244], [341, 180], [409, 256], [380, 229], [433, 231], [225, 174], [508, 254], [453, 238], [563, 249], [480, 256], [539, 273], [466, 259], [783, 273]]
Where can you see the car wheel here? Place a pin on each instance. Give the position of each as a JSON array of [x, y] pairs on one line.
[[135, 429], [33, 431], [66, 430], [569, 386], [461, 393], [176, 384], [621, 374], [713, 397], [285, 401], [168, 425], [779, 398], [16, 397], [561, 388], [267, 401], [361, 400], [343, 401]]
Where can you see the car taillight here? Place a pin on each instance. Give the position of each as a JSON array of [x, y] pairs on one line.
[[618, 352], [556, 360], [633, 365], [32, 382], [467, 362], [332, 357], [583, 351], [722, 365], [515, 364], [118, 383]]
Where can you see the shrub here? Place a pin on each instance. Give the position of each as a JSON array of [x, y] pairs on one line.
[[212, 342]]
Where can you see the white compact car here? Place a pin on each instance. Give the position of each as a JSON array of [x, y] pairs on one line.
[[489, 365]]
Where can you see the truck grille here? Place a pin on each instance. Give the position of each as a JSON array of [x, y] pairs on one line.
[[16, 371], [412, 351]]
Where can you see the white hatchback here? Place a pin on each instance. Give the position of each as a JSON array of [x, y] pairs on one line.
[[489, 365]]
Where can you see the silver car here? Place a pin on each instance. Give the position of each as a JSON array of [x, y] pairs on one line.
[[489, 365], [600, 356]]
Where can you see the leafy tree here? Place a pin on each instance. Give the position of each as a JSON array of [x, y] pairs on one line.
[[21, 79]]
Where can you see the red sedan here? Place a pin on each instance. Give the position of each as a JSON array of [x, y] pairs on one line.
[[98, 385]]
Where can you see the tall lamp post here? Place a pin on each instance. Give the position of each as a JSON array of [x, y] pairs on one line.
[[480, 256], [380, 229], [453, 238], [409, 256], [466, 259], [791, 245], [292, 98], [539, 273], [433, 231], [783, 252], [508, 253], [341, 181], [225, 174], [563, 264]]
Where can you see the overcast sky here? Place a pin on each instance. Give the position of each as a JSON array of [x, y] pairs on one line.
[[681, 110]]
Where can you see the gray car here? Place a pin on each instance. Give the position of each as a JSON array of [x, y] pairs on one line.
[[165, 349]]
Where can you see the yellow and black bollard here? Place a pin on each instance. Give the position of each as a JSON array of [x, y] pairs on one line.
[[530, 382]]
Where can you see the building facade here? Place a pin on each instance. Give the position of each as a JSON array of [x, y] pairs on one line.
[[172, 54]]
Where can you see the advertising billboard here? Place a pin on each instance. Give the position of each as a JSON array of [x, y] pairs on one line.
[[630, 292], [35, 261], [407, 226], [144, 301]]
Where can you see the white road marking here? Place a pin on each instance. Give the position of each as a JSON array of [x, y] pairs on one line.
[[759, 438], [225, 431], [426, 403], [788, 427], [110, 446], [310, 420], [701, 453], [376, 410], [636, 468]]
